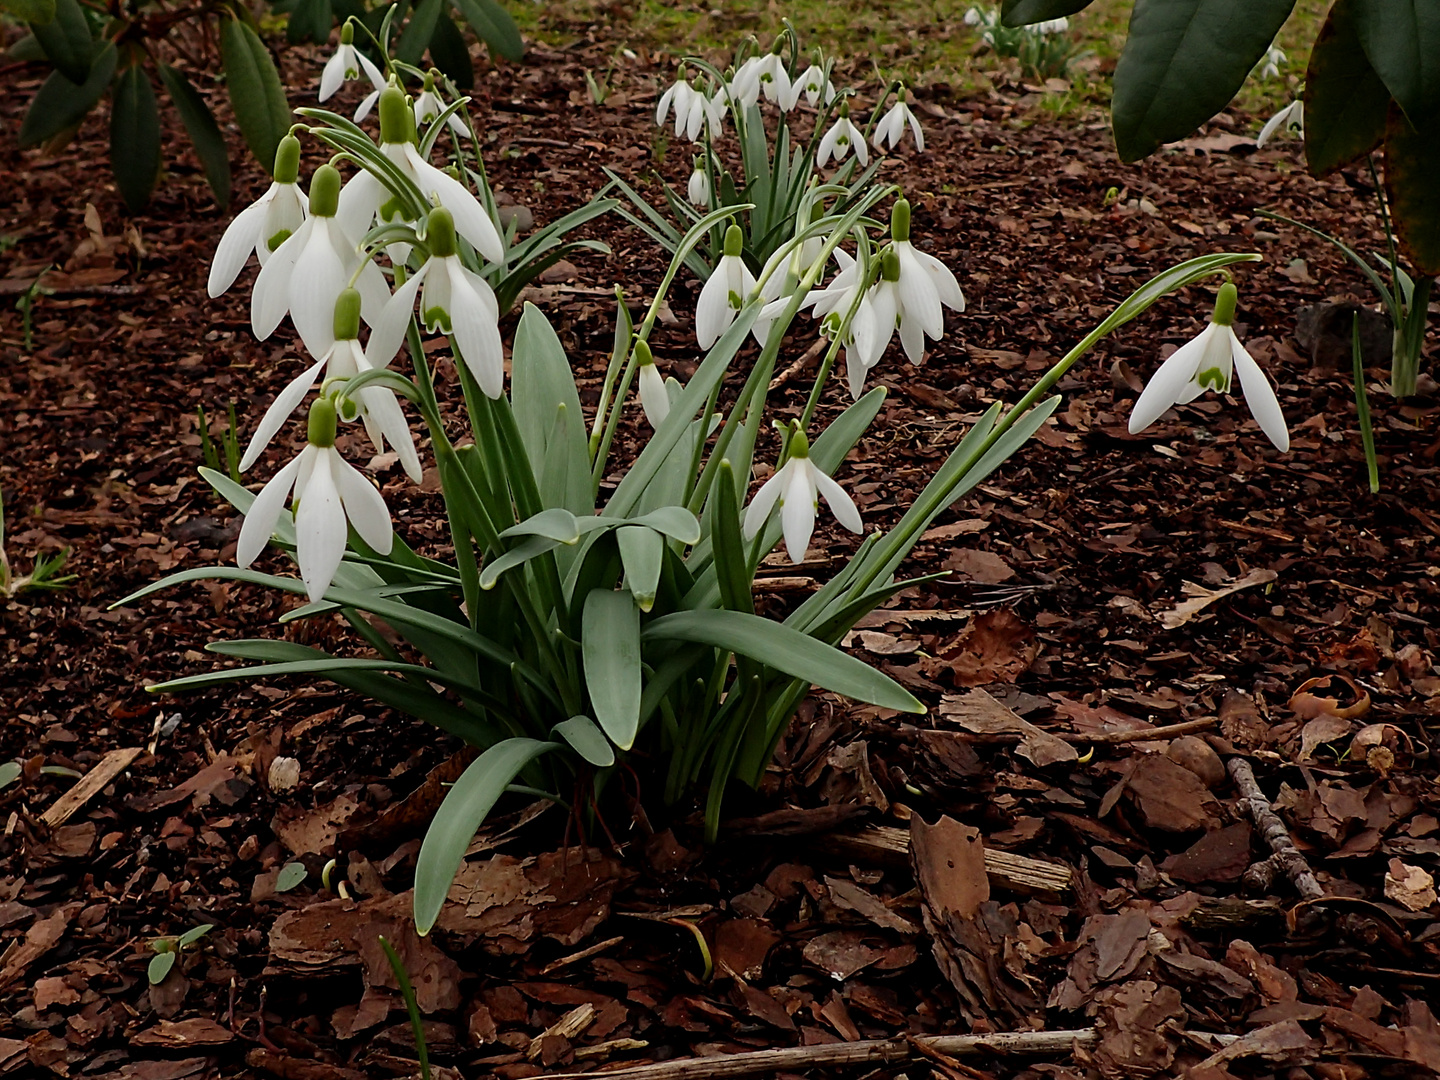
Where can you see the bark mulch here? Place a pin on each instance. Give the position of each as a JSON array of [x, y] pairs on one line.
[[1159, 660]]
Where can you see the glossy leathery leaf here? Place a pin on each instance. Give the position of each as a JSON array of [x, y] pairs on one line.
[[134, 137], [203, 130]]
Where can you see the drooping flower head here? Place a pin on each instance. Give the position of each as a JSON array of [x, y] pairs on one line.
[[891, 128], [764, 74], [724, 293], [840, 139], [797, 486], [1289, 121], [429, 106], [913, 290], [1206, 362], [348, 63], [263, 225], [654, 399], [814, 84], [328, 493], [698, 190]]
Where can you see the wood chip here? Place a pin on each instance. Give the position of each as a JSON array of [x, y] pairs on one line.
[[108, 767]]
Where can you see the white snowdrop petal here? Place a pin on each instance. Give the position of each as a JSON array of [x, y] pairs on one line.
[[364, 506], [471, 221], [259, 524], [363, 110], [320, 534], [280, 409], [315, 284], [360, 198], [912, 339], [758, 512], [240, 238], [797, 514], [1169, 382], [943, 278], [713, 314], [475, 329], [918, 294], [377, 80], [1260, 396], [654, 400], [839, 501], [333, 77], [270, 299], [389, 330]]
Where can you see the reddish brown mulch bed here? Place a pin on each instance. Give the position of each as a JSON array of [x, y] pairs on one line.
[[830, 910]]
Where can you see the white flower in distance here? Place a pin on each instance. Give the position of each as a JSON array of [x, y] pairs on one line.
[[654, 398], [429, 106], [328, 492], [912, 291], [724, 293], [973, 16], [307, 273], [698, 190], [763, 74], [1288, 121], [797, 486], [1206, 362], [453, 301], [1052, 26], [348, 63], [365, 195], [379, 410], [840, 139], [814, 85], [263, 225], [676, 99], [891, 128], [862, 336], [1269, 67]]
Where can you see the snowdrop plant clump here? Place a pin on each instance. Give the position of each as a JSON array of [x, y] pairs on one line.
[[587, 614]]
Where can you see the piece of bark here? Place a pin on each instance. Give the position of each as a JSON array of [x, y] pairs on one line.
[[89, 785], [886, 844]]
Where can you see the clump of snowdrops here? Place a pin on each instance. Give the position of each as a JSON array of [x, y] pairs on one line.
[[585, 637]]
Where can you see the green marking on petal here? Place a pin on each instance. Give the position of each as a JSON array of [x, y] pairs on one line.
[[1213, 379], [437, 317], [735, 301], [279, 238]]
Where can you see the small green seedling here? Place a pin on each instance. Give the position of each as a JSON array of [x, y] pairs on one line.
[[408, 993], [291, 875], [45, 574], [168, 950]]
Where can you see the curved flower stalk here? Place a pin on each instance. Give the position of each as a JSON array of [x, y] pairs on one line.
[[328, 492], [840, 139], [429, 106], [379, 409], [308, 272], [891, 128], [263, 225], [366, 197], [454, 301], [1289, 121], [348, 63], [797, 487], [1206, 362], [912, 291], [725, 291]]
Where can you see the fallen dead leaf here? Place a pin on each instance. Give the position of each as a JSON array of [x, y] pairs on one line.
[[1409, 886], [980, 712], [1201, 597]]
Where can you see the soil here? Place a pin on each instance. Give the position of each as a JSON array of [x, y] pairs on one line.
[[1104, 585]]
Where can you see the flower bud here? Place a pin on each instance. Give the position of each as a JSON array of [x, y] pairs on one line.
[[440, 233], [347, 315], [1225, 301], [347, 33], [321, 428], [643, 356], [900, 220], [397, 121], [734, 242]]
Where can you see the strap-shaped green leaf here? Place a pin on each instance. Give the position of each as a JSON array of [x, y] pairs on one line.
[[415, 38], [1346, 102], [1402, 40], [256, 94], [134, 137], [642, 551], [1183, 62], [67, 40], [1412, 182], [34, 12], [1024, 12], [204, 132], [786, 650], [587, 740], [450, 53], [610, 652], [60, 104], [732, 569], [463, 811], [675, 522], [519, 555], [541, 383], [494, 26]]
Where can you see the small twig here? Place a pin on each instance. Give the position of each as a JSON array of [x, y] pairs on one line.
[[1273, 830], [583, 954], [1169, 731], [819, 346], [865, 1052]]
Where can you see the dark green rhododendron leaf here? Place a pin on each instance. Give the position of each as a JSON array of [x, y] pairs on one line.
[[135, 137], [1412, 183], [204, 132], [67, 40], [1183, 62], [256, 94], [1402, 40], [35, 12], [494, 26], [1346, 103], [61, 104], [1024, 12], [451, 55]]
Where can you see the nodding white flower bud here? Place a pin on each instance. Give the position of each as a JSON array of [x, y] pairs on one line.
[[265, 224], [725, 292], [1206, 362], [698, 190], [654, 399]]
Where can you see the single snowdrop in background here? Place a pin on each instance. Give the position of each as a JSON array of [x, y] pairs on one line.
[[891, 128], [1289, 122], [724, 293], [797, 487]]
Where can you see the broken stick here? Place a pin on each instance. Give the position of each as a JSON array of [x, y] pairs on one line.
[[864, 1052], [1273, 830]]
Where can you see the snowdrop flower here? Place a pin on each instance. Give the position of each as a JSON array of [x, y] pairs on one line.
[[1206, 362], [308, 271], [724, 293], [837, 142], [454, 301], [891, 128], [378, 407], [862, 336], [912, 290], [763, 74], [1056, 26], [814, 85], [677, 99], [365, 195], [348, 63], [1269, 67], [698, 189], [328, 492], [701, 113], [797, 486], [654, 398], [973, 16], [1289, 121], [428, 106], [263, 225]]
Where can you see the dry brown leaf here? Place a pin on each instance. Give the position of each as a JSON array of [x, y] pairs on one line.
[[1201, 597], [979, 711], [996, 648], [1409, 886]]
